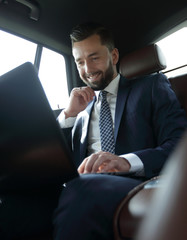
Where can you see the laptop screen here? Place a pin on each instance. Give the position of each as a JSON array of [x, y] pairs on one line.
[[33, 149]]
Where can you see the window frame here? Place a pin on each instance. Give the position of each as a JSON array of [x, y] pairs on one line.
[[172, 31]]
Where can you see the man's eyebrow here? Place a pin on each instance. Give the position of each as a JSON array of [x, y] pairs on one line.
[[77, 59], [92, 54]]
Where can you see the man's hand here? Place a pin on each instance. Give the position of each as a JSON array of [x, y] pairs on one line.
[[103, 162], [79, 99]]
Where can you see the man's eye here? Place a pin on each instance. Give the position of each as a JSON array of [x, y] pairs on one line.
[[79, 63], [95, 59]]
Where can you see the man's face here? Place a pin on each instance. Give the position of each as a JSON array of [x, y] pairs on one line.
[[95, 63]]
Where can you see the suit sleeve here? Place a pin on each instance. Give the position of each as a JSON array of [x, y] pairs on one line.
[[168, 121]]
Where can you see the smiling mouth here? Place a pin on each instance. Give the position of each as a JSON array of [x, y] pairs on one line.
[[93, 76]]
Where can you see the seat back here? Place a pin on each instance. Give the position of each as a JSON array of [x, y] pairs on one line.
[[150, 59], [147, 60]]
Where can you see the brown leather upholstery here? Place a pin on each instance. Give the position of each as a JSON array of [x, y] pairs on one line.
[[132, 209], [145, 61], [148, 60]]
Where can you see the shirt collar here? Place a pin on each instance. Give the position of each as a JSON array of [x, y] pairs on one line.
[[113, 86]]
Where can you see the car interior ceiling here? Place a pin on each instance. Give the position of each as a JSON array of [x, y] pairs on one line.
[[133, 23]]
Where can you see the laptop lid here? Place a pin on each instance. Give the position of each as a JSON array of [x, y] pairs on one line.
[[33, 149]]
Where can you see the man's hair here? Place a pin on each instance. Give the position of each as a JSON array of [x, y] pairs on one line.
[[85, 30]]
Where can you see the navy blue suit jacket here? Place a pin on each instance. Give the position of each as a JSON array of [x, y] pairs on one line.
[[148, 122]]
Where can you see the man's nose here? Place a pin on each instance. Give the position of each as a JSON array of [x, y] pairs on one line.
[[88, 67]]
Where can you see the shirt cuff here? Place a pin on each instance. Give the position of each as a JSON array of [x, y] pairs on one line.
[[135, 162], [65, 122]]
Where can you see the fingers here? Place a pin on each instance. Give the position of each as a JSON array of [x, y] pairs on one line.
[[82, 166], [85, 92], [102, 169], [93, 162], [104, 162], [86, 165], [79, 99], [117, 164], [110, 166]]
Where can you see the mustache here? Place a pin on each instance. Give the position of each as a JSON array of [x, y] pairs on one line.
[[87, 75]]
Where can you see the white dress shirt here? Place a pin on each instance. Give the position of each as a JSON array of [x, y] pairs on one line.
[[94, 143]]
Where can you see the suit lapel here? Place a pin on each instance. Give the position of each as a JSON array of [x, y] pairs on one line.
[[123, 91], [85, 127]]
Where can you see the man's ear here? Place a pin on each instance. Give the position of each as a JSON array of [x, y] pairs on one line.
[[115, 56]]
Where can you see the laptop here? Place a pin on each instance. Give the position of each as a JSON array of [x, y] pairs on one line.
[[33, 150]]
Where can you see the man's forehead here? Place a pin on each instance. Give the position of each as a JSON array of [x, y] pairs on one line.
[[88, 47]]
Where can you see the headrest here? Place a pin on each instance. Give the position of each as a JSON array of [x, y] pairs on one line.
[[145, 61]]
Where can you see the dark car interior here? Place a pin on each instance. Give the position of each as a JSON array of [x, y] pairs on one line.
[[136, 26]]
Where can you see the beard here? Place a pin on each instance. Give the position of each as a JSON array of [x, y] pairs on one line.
[[106, 78]]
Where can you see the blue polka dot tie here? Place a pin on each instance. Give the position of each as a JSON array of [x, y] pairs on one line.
[[106, 125]]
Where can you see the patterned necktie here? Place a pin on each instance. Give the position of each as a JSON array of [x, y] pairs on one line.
[[106, 125]]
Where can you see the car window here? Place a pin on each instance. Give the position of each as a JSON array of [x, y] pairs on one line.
[[52, 73], [15, 51], [174, 48]]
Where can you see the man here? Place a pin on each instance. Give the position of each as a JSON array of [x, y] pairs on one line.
[[147, 123]]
